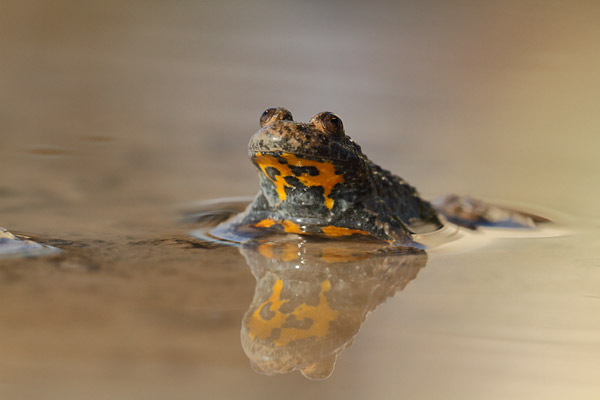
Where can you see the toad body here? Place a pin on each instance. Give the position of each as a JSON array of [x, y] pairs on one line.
[[315, 180]]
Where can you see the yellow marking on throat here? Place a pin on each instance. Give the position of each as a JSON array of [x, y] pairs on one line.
[[321, 315], [327, 177]]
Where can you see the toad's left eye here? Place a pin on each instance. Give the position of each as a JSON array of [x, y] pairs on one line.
[[266, 116], [275, 114], [329, 123]]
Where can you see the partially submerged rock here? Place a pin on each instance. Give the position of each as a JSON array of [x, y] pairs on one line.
[[471, 213], [13, 246]]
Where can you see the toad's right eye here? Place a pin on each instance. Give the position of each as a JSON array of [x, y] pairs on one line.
[[329, 123]]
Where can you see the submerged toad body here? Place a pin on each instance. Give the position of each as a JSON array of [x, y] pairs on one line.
[[315, 180]]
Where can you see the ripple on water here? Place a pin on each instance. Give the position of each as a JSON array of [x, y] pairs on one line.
[[209, 214]]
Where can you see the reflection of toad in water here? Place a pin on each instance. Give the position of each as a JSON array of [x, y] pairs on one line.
[[311, 298]]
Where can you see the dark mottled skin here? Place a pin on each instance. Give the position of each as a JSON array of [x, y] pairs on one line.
[[365, 198]]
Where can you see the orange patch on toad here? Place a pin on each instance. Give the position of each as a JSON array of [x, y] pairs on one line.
[[288, 226], [265, 223], [326, 179]]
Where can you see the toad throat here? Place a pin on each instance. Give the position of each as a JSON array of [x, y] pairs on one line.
[[326, 176]]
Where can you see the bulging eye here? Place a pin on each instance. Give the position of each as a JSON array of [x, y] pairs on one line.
[[329, 123], [275, 114], [333, 124], [266, 116]]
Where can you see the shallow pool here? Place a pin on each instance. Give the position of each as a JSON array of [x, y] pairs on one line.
[[116, 118]]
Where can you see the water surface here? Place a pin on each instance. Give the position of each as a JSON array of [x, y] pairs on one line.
[[115, 117]]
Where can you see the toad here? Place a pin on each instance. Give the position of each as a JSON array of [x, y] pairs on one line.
[[315, 180]]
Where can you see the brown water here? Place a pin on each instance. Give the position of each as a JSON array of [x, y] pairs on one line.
[[114, 116]]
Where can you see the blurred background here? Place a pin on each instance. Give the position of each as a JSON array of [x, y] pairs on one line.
[[115, 114], [126, 107]]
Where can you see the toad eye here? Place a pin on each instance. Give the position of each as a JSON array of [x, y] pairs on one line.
[[266, 116], [329, 123], [274, 114]]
